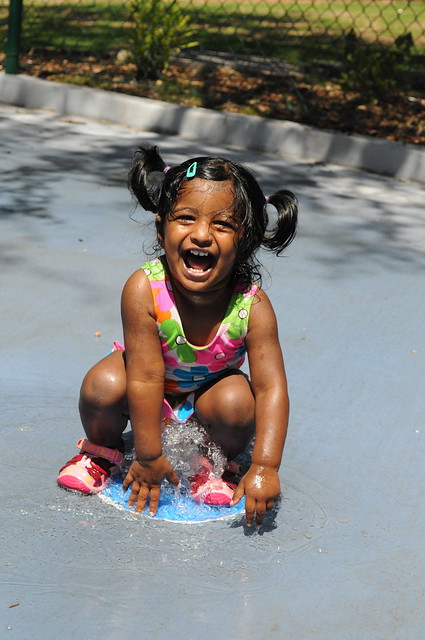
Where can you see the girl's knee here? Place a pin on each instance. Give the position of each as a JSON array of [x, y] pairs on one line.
[[102, 386], [232, 405], [228, 411], [237, 410]]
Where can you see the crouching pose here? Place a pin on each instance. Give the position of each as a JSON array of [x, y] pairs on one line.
[[189, 317]]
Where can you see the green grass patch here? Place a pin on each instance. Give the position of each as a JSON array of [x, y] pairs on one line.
[[299, 31]]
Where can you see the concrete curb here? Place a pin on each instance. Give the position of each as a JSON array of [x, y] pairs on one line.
[[402, 161]]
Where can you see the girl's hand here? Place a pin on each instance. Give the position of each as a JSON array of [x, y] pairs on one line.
[[261, 486], [146, 478]]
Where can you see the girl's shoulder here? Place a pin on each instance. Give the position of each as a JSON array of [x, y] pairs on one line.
[[137, 291], [261, 309]]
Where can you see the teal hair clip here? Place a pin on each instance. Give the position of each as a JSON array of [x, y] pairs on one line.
[[191, 172]]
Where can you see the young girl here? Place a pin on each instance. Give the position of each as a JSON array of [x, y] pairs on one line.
[[189, 317]]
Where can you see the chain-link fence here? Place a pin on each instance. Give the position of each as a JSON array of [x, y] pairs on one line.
[[257, 56]]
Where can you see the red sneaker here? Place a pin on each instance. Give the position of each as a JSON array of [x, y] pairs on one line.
[[90, 470]]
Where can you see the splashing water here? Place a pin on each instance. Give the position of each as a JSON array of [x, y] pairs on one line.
[[184, 444]]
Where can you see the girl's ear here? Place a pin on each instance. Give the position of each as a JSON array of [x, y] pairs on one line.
[[159, 235]]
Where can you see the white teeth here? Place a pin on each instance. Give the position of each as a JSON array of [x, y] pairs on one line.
[[197, 252]]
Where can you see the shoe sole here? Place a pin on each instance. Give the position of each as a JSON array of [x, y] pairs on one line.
[[75, 486]]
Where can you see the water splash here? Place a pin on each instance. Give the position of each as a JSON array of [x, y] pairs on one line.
[[174, 505], [184, 444]]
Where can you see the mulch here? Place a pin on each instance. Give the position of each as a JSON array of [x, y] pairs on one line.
[[249, 89]]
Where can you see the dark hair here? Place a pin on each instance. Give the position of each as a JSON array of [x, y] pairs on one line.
[[158, 190]]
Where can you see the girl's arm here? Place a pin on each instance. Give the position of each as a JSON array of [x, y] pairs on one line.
[[268, 379], [145, 393]]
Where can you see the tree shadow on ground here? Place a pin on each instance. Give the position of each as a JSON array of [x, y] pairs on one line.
[[348, 219]]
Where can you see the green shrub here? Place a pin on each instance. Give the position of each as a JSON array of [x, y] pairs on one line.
[[157, 30], [377, 72]]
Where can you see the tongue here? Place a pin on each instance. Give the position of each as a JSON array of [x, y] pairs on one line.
[[198, 262]]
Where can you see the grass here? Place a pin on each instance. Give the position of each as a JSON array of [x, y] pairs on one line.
[[298, 31], [79, 41]]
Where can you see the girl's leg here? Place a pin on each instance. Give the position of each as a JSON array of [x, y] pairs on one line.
[[103, 410], [103, 401], [227, 410]]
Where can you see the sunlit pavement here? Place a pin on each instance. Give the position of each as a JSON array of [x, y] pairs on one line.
[[343, 557]]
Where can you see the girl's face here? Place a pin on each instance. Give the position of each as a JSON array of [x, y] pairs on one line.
[[201, 235]]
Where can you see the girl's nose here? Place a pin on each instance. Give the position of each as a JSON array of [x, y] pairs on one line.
[[201, 233]]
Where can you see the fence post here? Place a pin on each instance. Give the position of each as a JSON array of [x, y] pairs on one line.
[[13, 37]]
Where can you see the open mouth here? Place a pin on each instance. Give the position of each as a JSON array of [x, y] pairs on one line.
[[198, 260]]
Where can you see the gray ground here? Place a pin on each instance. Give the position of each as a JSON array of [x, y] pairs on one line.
[[343, 558]]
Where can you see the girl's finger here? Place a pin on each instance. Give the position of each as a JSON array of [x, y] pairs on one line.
[[127, 482], [249, 511], [260, 510], [239, 492], [141, 500], [154, 500], [173, 478], [135, 488]]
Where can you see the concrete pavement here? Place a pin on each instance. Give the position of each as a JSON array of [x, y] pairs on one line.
[[343, 558]]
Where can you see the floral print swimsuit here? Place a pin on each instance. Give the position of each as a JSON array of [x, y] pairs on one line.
[[188, 367]]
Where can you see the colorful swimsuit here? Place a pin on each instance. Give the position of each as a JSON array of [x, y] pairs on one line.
[[188, 367]]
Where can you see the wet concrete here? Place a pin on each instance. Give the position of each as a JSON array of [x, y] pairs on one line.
[[343, 557]]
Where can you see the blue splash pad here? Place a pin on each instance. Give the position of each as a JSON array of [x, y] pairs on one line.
[[174, 506]]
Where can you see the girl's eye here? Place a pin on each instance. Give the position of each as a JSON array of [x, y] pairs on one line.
[[184, 217], [225, 224]]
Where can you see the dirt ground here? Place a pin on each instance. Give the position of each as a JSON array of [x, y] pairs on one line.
[[248, 89]]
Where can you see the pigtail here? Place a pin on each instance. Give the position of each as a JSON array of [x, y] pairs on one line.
[[286, 226], [146, 177], [157, 190]]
